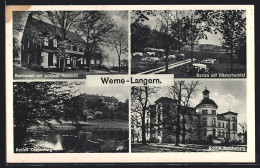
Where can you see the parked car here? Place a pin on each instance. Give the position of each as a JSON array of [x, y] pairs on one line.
[[180, 56], [208, 61]]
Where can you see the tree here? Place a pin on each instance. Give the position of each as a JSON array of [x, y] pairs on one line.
[[35, 103], [140, 37], [243, 127], [164, 23], [140, 101], [63, 22], [181, 92], [119, 41], [194, 30], [74, 109], [232, 26], [96, 27]]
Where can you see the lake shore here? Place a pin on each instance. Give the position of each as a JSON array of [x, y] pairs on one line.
[[86, 125]]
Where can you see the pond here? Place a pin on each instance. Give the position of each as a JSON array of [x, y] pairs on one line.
[[91, 141]]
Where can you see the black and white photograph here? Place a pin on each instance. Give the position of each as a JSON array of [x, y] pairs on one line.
[[69, 44], [189, 43], [190, 116], [69, 117]]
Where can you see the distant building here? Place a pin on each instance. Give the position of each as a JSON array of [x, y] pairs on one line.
[[110, 102], [39, 46], [203, 124]]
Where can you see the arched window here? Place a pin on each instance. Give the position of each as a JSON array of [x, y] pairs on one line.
[[219, 133]]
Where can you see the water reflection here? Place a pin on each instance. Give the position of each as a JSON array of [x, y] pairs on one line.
[[107, 140]]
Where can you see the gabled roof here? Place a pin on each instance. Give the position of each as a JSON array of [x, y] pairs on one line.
[[229, 112], [165, 100], [44, 27]]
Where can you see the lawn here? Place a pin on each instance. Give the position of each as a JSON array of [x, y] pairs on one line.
[[152, 148]]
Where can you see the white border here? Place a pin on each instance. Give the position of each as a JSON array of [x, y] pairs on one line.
[[175, 157]]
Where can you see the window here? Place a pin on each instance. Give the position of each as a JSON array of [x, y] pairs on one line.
[[219, 124], [223, 134], [204, 132], [204, 111], [219, 133], [233, 118], [42, 59], [81, 60], [74, 48], [213, 121], [234, 126], [81, 50], [214, 112], [226, 125], [204, 121], [55, 44], [223, 125], [46, 41]]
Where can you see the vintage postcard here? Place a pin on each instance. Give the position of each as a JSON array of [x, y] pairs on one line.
[[133, 84]]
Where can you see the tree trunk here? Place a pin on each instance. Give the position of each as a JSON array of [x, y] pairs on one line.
[[178, 127], [231, 60], [183, 140], [63, 65], [119, 64], [177, 130], [191, 54], [166, 62], [143, 128]]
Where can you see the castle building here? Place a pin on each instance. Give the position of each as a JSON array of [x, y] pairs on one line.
[[202, 123], [40, 46]]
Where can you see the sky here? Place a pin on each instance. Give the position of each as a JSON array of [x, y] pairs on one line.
[[120, 19], [228, 95]]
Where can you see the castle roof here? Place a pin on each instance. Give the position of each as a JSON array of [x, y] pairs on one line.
[[105, 98], [207, 100]]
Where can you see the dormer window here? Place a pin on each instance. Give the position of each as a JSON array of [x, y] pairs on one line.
[[46, 41], [55, 43]]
